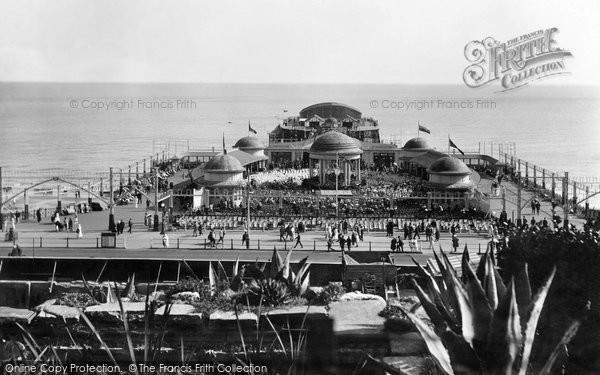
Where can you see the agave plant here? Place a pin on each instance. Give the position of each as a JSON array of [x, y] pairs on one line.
[[481, 325], [273, 285]]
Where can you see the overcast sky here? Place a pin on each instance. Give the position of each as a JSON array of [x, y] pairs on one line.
[[417, 42]]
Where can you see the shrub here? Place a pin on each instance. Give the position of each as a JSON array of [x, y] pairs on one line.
[[79, 300], [332, 292], [576, 256], [396, 319]]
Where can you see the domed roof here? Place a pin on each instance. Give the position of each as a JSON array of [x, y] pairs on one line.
[[448, 165], [224, 163], [416, 144], [249, 143], [336, 142]]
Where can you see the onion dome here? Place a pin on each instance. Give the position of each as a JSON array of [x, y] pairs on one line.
[[224, 164], [449, 166], [417, 144], [334, 142], [249, 143]]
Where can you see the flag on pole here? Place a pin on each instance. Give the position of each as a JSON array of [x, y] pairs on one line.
[[424, 129], [250, 128], [451, 144]]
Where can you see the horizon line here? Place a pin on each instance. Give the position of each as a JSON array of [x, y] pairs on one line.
[[545, 83]]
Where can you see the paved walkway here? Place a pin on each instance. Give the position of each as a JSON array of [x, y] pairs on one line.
[[142, 243]]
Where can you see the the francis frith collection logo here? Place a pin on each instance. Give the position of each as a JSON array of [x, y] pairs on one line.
[[514, 63]]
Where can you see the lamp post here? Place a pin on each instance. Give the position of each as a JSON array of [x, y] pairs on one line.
[[155, 225], [337, 173], [162, 223], [246, 184]]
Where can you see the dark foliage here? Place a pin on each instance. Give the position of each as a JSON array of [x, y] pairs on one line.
[[576, 287]]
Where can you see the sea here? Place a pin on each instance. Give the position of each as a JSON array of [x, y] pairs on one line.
[[93, 126]]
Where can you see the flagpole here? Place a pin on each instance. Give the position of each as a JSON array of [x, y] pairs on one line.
[[418, 128], [448, 144]]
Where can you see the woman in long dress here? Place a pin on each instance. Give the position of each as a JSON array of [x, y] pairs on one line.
[[79, 231]]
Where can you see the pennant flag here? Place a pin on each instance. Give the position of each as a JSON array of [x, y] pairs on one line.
[[451, 144], [424, 129], [250, 128]]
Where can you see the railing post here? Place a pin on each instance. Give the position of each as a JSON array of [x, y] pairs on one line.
[[41, 242], [205, 244], [479, 251], [67, 242], [97, 240], [231, 239], [258, 244], [314, 245], [369, 245], [178, 242]]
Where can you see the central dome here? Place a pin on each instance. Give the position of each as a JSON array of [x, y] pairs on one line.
[[249, 143], [336, 142], [224, 164], [449, 165], [417, 144]]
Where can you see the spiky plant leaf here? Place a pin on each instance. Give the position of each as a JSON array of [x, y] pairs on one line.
[[465, 260], [126, 328], [501, 289], [285, 269], [534, 316], [304, 284], [190, 270], [276, 263], [236, 266], [129, 290], [111, 295], [429, 307], [468, 320], [221, 273], [560, 348], [504, 339], [462, 356], [212, 278], [490, 283], [482, 312], [449, 285], [523, 291], [434, 345], [482, 266]]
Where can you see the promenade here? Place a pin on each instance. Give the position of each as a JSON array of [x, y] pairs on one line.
[[40, 240]]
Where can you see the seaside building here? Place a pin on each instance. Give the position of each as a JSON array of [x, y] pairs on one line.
[[334, 150]]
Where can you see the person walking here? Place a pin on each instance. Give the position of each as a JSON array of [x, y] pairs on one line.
[[221, 236], [354, 238], [298, 242], [329, 244], [165, 240], [400, 244], [455, 243], [79, 231], [211, 238], [246, 239], [130, 225], [394, 244]]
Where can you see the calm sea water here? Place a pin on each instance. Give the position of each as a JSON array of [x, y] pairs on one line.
[[554, 127]]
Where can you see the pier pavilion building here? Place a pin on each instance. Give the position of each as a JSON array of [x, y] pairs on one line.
[[334, 150]]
